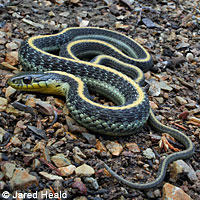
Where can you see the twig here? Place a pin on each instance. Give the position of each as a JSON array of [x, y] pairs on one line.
[[52, 190], [180, 126], [51, 166]]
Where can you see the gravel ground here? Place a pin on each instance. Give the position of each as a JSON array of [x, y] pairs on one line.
[[37, 157]]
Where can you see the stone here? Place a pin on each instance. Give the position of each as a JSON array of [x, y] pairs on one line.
[[15, 141], [60, 160], [148, 153], [2, 185], [7, 66], [92, 183], [78, 159], [114, 148], [22, 179], [77, 151], [166, 95], [78, 184], [51, 14], [2, 133], [198, 70], [198, 174], [84, 23], [195, 111], [108, 2], [172, 192], [180, 100], [90, 138], [181, 38], [74, 1], [59, 133], [3, 156], [84, 170], [8, 169], [179, 167], [50, 176], [175, 87], [157, 193], [189, 57], [160, 100], [164, 86], [150, 194], [182, 45], [39, 147], [11, 46], [12, 58], [133, 147], [187, 84], [19, 127], [9, 91], [3, 104], [37, 25], [52, 23], [67, 171], [57, 186], [154, 89], [153, 105], [99, 145], [191, 105], [36, 163], [183, 115], [148, 23], [65, 14], [1, 175], [45, 107], [194, 120]]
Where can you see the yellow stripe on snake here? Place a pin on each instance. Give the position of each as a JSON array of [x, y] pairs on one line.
[[106, 62]]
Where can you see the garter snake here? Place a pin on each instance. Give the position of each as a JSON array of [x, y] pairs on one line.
[[104, 61]]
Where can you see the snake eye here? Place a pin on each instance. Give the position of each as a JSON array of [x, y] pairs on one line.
[[27, 79]]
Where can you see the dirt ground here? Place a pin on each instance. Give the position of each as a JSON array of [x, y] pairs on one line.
[[170, 31]]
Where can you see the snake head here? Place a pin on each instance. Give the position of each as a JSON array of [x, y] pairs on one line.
[[41, 82]]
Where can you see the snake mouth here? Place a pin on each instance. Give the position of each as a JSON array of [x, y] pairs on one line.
[[27, 81], [23, 79], [42, 82]]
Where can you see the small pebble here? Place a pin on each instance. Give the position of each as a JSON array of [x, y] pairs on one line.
[[133, 147], [198, 70], [67, 171], [172, 192], [8, 169], [22, 179], [148, 153], [3, 104], [60, 160], [84, 170], [51, 14], [65, 14], [189, 57], [114, 148], [184, 115], [154, 89], [11, 46], [93, 184], [180, 100], [51, 177]]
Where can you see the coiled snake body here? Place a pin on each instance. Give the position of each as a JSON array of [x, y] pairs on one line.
[[115, 70]]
